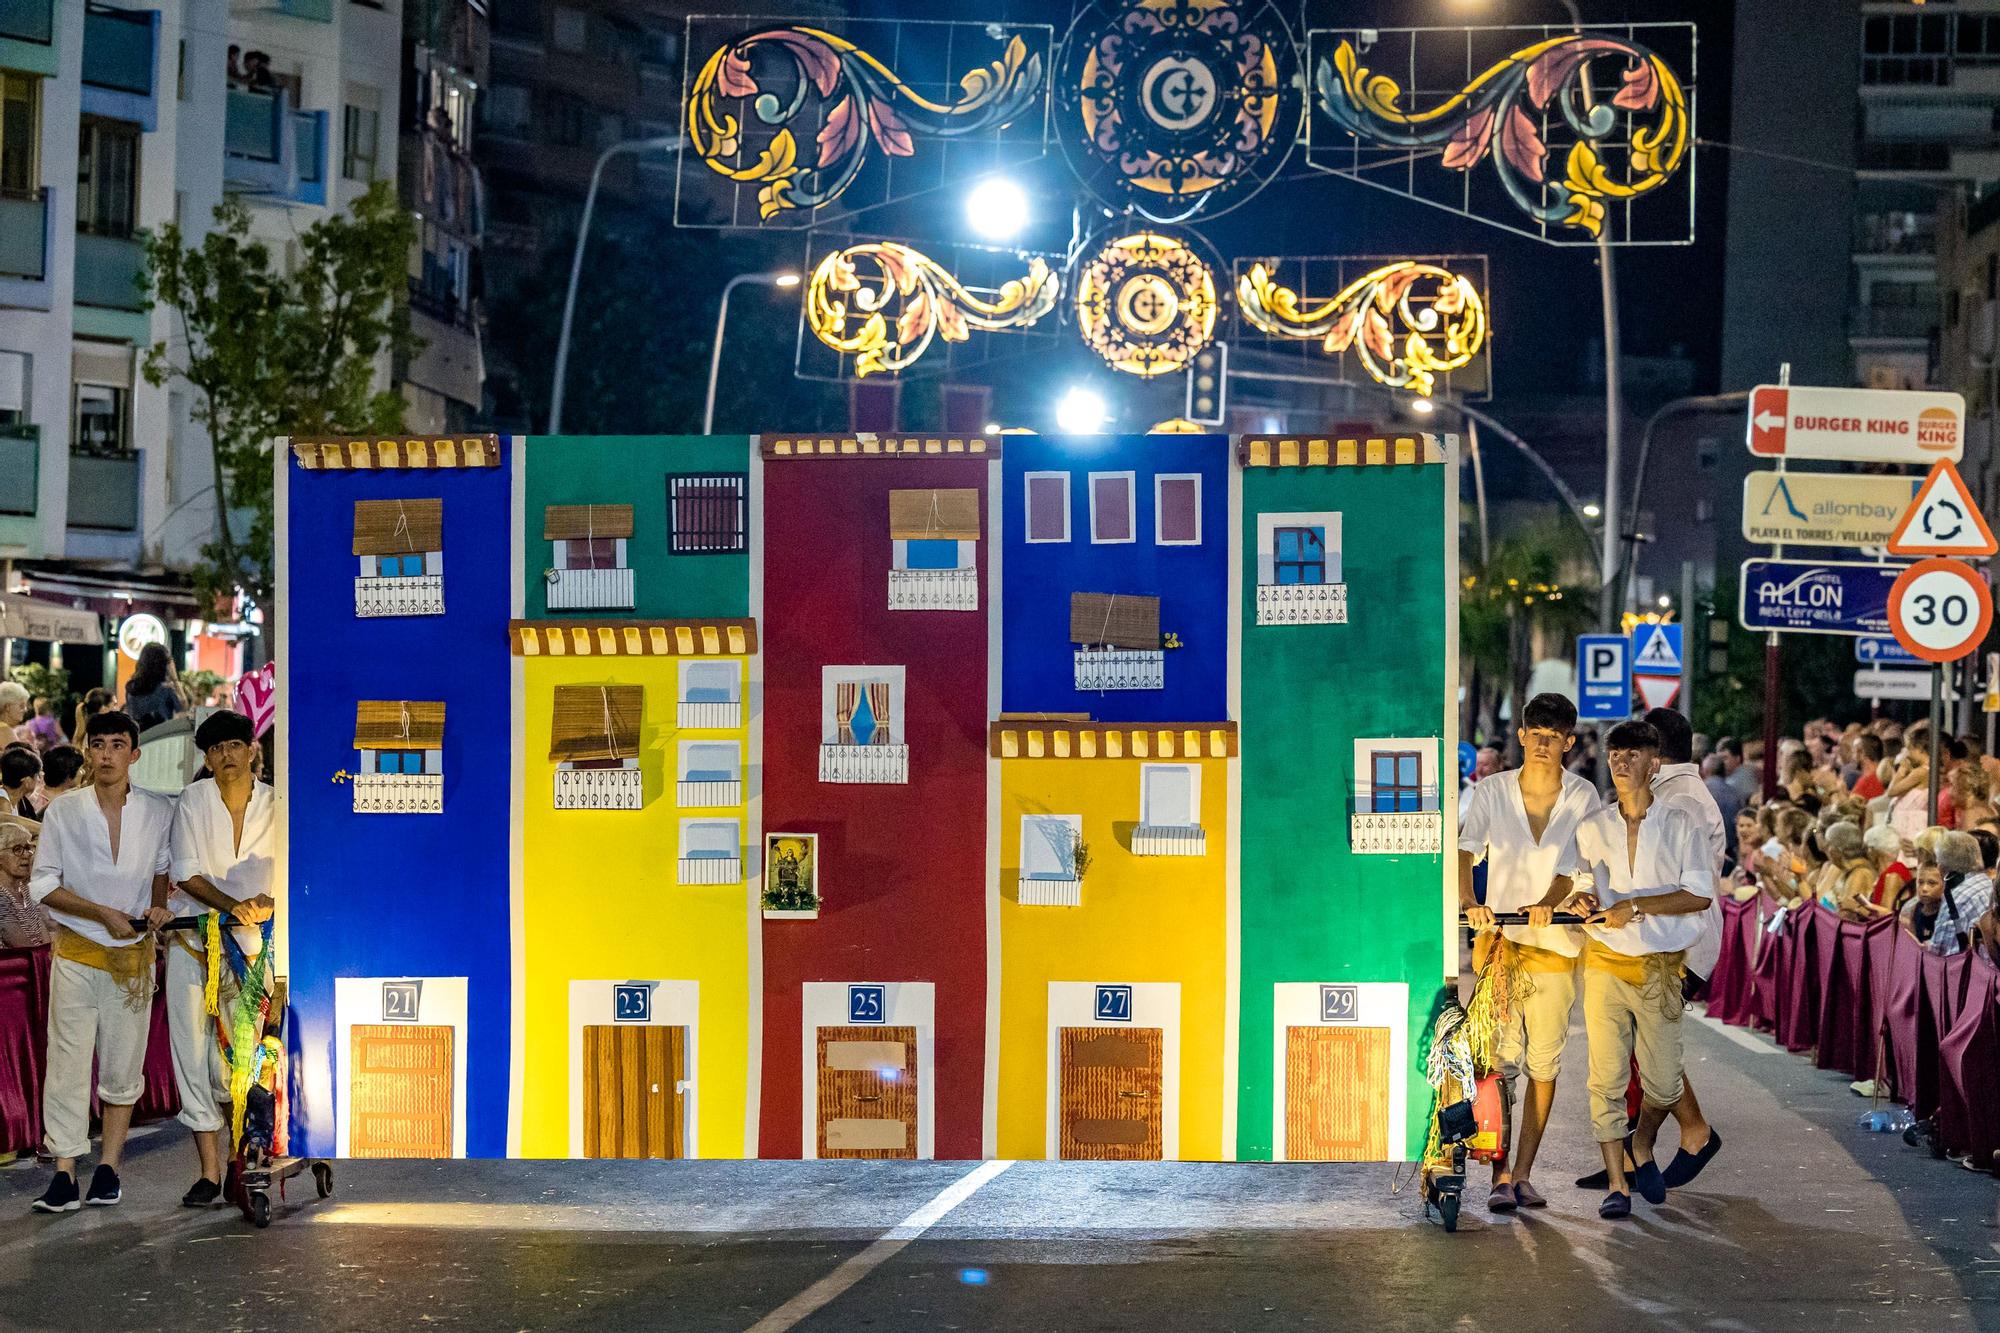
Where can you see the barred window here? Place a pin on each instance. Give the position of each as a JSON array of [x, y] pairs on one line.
[[708, 513]]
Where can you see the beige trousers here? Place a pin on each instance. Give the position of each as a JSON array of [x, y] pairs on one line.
[[198, 1066], [89, 1011], [1533, 1039], [1620, 1019]]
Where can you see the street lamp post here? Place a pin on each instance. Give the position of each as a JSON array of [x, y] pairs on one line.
[[721, 323], [576, 263]]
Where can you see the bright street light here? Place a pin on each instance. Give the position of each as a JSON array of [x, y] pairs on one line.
[[1592, 511], [786, 280], [1423, 407], [1081, 412], [997, 208]]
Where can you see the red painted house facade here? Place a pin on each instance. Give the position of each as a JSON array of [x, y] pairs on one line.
[[876, 597]]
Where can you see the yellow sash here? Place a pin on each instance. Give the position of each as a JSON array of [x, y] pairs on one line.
[[131, 966]]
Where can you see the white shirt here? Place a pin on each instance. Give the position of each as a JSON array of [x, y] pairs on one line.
[[75, 854], [1493, 824], [204, 843], [1672, 854], [1683, 785]]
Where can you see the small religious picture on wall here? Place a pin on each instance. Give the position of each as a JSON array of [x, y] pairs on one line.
[[791, 872]]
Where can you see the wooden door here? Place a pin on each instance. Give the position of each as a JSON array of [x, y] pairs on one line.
[[399, 1104], [1110, 1107], [868, 1092], [632, 1101], [1336, 1094]]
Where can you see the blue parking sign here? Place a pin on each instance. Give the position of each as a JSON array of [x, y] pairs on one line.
[[1603, 676]]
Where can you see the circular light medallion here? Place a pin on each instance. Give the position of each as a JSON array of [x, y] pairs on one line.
[[1174, 107], [1146, 303]]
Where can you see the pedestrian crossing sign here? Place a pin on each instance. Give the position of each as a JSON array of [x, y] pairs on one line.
[[1656, 650]]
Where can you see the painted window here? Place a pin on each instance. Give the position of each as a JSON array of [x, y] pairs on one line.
[[711, 761], [1111, 507], [710, 682], [1169, 796], [1396, 781], [1048, 506], [399, 538], [708, 513], [1298, 548], [399, 566], [711, 839], [861, 705], [591, 553], [1177, 509], [1048, 846], [399, 761], [1300, 555]]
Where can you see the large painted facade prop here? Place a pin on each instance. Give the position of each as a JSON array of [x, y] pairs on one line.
[[986, 800], [1563, 137]]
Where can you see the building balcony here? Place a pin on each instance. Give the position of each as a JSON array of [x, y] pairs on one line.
[[256, 150], [104, 491], [864, 763], [711, 870], [590, 589], [1121, 669], [422, 595], [20, 469], [24, 234], [107, 271], [600, 789], [934, 590], [28, 21], [707, 794], [119, 47], [1302, 603], [1403, 833], [1036, 891], [313, 11], [709, 716], [1169, 840], [1893, 321], [398, 793]]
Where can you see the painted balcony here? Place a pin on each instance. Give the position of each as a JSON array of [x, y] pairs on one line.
[[1170, 840], [933, 590], [600, 789], [711, 870], [104, 492], [107, 271], [28, 21], [422, 595], [1302, 603], [24, 235], [398, 793], [703, 794], [864, 763], [20, 469], [1399, 833], [1041, 891], [1121, 669], [709, 715], [590, 589]]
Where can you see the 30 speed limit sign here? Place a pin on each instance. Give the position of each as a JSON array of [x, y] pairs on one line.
[[1940, 609]]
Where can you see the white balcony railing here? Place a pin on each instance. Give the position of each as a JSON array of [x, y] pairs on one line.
[[1051, 892], [864, 763], [711, 870], [600, 789], [590, 590], [708, 793], [398, 793], [1302, 603], [1169, 840], [422, 595], [933, 590], [710, 716], [1121, 669], [1409, 833]]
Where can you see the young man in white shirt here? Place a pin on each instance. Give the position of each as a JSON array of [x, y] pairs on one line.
[[102, 864], [1653, 883], [1523, 824], [223, 858]]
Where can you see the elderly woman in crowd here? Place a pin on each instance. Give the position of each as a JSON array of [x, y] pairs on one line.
[[23, 922], [1846, 882], [1892, 872], [1953, 893], [1786, 874]]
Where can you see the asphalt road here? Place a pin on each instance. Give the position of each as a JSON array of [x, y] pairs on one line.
[[1802, 1223]]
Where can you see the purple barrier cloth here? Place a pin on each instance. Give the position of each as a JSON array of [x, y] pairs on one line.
[[1729, 989], [1882, 950], [1970, 1055], [1944, 988], [1838, 983], [1774, 966], [1905, 1017]]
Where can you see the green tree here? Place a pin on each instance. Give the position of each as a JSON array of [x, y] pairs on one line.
[[1534, 591], [271, 350]]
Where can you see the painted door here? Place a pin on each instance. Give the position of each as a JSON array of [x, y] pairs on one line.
[[400, 1102], [1110, 1106], [868, 1092], [632, 1099], [1336, 1094]]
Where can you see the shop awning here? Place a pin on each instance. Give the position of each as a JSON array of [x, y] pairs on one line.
[[26, 618]]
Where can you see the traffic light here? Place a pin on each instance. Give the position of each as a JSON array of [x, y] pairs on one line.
[[1208, 385]]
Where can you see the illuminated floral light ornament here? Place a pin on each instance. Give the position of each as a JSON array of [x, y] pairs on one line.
[[1146, 303], [857, 98], [1175, 106], [854, 316], [1491, 118], [1437, 314]]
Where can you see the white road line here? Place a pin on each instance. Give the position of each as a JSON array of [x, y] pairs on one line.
[[829, 1288], [1743, 1037]]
